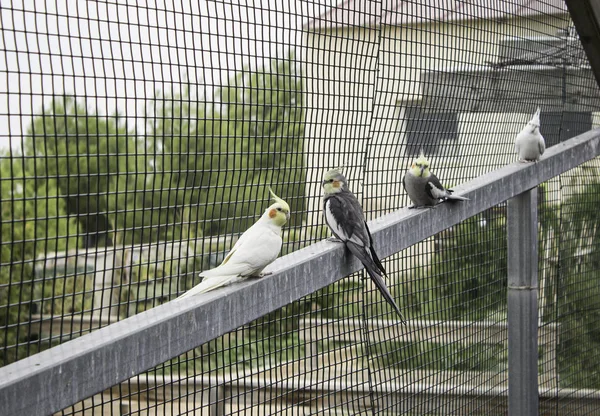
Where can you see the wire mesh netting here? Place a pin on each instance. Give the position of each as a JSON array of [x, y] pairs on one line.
[[138, 141]]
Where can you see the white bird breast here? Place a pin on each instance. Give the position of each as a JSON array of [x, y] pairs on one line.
[[332, 223]]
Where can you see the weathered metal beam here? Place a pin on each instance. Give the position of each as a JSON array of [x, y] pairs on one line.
[[404, 228], [56, 378], [522, 230], [586, 18]]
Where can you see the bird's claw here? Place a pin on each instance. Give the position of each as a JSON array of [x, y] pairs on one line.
[[263, 274], [334, 240]]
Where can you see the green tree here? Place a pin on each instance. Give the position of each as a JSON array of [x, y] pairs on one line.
[[467, 275], [212, 163], [259, 123], [579, 290], [93, 162], [75, 176], [33, 222], [178, 136]]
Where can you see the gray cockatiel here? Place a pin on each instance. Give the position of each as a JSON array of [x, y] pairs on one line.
[[529, 143], [424, 188], [345, 218]]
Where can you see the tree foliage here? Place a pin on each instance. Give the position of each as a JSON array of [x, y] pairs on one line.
[[200, 167], [90, 159], [467, 276], [579, 290], [214, 162]]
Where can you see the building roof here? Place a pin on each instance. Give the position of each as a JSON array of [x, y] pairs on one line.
[[556, 52], [369, 13]]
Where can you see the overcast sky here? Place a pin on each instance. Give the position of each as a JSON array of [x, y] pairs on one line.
[[117, 56]]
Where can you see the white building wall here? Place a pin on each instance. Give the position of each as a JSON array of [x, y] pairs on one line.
[[357, 82]]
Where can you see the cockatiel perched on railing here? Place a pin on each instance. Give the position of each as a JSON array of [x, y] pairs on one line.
[[344, 216], [424, 188], [258, 247], [529, 143]]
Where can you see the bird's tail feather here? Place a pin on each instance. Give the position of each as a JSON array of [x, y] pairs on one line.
[[209, 284], [373, 254], [375, 275], [457, 197], [377, 261]]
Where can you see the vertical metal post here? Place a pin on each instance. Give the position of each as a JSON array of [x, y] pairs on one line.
[[523, 396]]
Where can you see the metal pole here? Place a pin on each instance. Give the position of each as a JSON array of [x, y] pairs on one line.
[[585, 15], [523, 396]]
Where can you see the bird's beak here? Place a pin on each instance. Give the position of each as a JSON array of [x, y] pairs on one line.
[[287, 216], [422, 170]]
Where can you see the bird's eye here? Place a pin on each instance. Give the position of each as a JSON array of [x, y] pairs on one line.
[[279, 209], [331, 180]]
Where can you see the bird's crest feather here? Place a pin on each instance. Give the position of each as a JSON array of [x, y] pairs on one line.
[[333, 173], [422, 159], [535, 120], [279, 200]]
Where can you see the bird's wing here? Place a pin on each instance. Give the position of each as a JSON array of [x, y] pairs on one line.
[[542, 145], [435, 189], [255, 250], [344, 216]]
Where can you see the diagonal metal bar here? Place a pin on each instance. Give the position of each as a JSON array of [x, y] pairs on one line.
[[56, 378], [586, 18]]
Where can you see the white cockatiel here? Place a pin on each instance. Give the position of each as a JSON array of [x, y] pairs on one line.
[[423, 187], [529, 143], [258, 247]]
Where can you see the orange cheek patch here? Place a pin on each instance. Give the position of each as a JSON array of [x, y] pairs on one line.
[[336, 184], [272, 213]]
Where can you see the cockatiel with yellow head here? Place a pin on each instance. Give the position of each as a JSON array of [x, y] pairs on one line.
[[258, 247], [424, 188]]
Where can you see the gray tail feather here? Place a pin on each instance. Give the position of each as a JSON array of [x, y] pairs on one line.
[[376, 277], [373, 254], [456, 198], [377, 261]]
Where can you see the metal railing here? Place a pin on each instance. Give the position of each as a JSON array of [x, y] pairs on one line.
[[63, 375]]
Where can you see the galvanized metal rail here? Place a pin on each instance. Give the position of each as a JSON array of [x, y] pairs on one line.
[[56, 378]]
